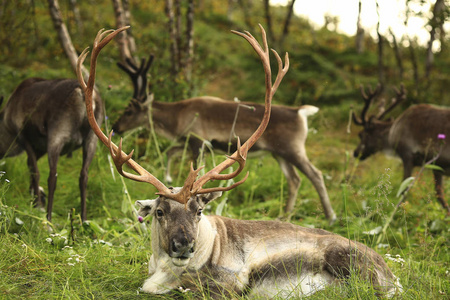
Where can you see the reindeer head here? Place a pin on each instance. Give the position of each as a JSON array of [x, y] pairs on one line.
[[176, 224], [375, 133], [137, 110], [135, 114]]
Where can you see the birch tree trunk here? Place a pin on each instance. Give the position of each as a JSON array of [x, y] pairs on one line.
[[398, 55], [64, 37], [189, 41], [122, 41], [359, 41], [287, 21], [435, 22], [127, 18], [380, 50], [173, 37], [268, 21]]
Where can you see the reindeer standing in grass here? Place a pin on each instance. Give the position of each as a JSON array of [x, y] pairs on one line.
[[223, 257], [197, 119], [49, 117], [415, 136]]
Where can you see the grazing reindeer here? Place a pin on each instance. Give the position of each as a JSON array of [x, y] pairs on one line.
[[227, 256], [413, 136], [49, 116], [211, 119]]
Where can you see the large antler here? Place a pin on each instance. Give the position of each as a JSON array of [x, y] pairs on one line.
[[399, 97], [241, 152], [368, 98], [138, 76], [119, 157], [191, 186]]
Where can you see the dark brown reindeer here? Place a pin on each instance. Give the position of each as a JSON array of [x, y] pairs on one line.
[[49, 116], [211, 118], [414, 136], [223, 257]]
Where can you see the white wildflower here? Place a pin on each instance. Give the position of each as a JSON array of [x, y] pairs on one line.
[[374, 231], [396, 258]]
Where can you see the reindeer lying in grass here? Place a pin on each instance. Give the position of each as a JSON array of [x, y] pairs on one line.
[[224, 257]]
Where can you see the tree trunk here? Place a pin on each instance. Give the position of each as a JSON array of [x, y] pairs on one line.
[[179, 58], [435, 22], [127, 18], [64, 37], [287, 21], [359, 41], [415, 66], [173, 37], [380, 50], [189, 41], [268, 21], [398, 56], [121, 38]]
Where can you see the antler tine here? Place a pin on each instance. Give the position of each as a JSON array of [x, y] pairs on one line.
[[137, 75], [241, 153], [120, 158], [368, 98], [400, 97]]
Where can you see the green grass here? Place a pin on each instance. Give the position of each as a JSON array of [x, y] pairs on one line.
[[113, 250]]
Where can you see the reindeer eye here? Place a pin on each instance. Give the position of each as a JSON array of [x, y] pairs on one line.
[[159, 213], [199, 212]]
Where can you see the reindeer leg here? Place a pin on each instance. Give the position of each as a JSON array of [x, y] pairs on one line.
[[293, 180], [315, 176], [440, 190], [53, 157], [88, 154], [34, 175]]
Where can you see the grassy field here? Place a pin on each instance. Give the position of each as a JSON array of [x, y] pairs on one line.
[[107, 257]]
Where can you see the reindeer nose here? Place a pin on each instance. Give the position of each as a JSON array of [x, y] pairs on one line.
[[182, 250]]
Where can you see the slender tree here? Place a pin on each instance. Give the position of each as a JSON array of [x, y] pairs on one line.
[[268, 18], [173, 37], [381, 79], [122, 39], [412, 53], [437, 20], [287, 21], [398, 55], [63, 35], [127, 18], [359, 40], [189, 41]]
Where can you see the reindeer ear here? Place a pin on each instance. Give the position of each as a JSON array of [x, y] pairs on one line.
[[206, 198], [146, 207]]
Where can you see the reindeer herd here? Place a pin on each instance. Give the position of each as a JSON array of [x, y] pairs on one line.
[[193, 251]]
